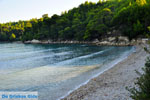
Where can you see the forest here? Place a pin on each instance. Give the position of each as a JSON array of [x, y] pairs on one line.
[[86, 22]]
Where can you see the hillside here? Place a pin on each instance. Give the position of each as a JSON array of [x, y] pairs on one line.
[[87, 22]]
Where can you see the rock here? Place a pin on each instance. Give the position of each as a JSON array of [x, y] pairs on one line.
[[49, 41], [44, 42], [27, 42], [145, 40], [96, 41], [133, 41], [114, 31], [139, 40], [108, 33], [35, 41], [104, 43], [123, 38], [111, 39]]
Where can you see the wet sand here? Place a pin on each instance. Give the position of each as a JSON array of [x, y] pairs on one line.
[[111, 85]]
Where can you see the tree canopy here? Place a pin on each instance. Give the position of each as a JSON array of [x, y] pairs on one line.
[[86, 22]]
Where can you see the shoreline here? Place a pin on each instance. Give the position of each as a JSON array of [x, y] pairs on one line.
[[103, 43], [94, 91], [98, 74], [111, 41]]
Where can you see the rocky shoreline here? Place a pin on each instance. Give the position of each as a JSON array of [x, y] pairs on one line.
[[111, 41]]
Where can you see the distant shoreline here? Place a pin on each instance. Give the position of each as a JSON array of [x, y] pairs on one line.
[[95, 42], [110, 41]]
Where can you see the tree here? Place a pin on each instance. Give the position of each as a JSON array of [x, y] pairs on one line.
[[141, 2], [12, 37], [66, 34], [45, 16], [28, 24], [138, 28], [85, 22]]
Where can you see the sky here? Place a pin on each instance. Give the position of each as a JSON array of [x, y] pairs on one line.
[[15, 10]]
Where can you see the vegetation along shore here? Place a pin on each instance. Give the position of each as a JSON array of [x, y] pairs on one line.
[[87, 22]]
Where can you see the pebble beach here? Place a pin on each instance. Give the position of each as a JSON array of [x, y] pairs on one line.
[[111, 85]]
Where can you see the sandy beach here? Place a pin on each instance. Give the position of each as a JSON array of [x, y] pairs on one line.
[[111, 85]]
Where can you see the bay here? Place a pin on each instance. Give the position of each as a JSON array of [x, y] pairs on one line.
[[54, 70]]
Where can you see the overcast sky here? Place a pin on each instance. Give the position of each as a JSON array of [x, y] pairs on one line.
[[14, 10]]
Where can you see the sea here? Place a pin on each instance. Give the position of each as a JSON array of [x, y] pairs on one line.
[[55, 70]]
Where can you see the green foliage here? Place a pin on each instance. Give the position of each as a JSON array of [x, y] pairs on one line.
[[135, 18], [138, 28], [148, 28], [86, 22], [13, 36], [141, 2], [45, 16], [28, 25], [141, 90]]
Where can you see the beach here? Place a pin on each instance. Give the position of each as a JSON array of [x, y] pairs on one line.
[[111, 85]]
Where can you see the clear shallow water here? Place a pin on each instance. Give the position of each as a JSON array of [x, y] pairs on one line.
[[54, 70]]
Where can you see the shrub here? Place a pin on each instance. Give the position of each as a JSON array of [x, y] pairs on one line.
[[141, 91]]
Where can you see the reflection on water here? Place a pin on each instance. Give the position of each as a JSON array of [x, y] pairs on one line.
[[53, 69]]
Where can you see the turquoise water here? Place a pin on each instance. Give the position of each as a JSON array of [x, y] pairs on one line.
[[54, 69]]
